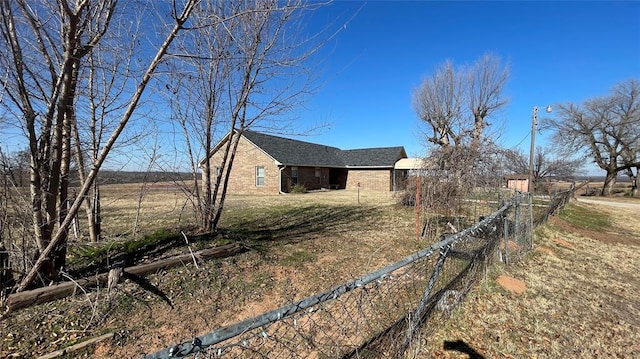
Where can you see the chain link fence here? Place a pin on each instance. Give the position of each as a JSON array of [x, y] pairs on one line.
[[558, 200], [385, 314]]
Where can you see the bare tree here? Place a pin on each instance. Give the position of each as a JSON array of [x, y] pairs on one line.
[[439, 103], [455, 103], [43, 63], [103, 85], [606, 129], [487, 78], [47, 47], [546, 165], [198, 107], [249, 71], [627, 107]]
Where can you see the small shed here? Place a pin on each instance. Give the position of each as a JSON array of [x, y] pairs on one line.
[[518, 182]]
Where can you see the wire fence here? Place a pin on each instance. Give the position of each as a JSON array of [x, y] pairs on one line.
[[559, 200], [388, 313]]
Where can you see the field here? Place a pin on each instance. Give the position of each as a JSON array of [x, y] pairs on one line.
[[300, 244], [582, 296], [581, 299]]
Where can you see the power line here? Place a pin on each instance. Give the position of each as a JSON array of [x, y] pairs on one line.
[[522, 140]]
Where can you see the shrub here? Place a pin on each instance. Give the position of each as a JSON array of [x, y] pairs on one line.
[[299, 189]]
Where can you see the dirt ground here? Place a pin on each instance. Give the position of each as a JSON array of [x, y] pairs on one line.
[[578, 290], [307, 243], [582, 297], [619, 202]]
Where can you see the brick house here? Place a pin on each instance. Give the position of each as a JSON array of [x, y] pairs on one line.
[[267, 164]]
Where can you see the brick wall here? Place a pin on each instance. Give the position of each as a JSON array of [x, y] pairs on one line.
[[243, 173], [306, 177], [248, 157], [376, 180]]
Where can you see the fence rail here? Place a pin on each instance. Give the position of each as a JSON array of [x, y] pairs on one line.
[[384, 314]]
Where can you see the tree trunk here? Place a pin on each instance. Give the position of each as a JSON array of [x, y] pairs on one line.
[[56, 198], [207, 196], [46, 294], [35, 181], [634, 181], [60, 253], [91, 207], [478, 127], [609, 181], [227, 170], [95, 230]]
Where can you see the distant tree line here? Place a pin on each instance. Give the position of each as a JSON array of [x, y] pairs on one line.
[[15, 168]]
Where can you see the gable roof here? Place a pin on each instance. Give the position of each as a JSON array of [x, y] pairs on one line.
[[292, 152], [373, 157], [299, 153]]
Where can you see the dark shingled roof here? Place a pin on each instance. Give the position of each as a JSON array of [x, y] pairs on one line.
[[299, 153], [373, 157], [292, 152]]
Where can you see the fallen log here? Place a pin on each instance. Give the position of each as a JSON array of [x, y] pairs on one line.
[[57, 291], [75, 347]]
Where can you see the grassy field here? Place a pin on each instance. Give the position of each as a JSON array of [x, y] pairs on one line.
[[581, 299], [582, 285], [300, 244]]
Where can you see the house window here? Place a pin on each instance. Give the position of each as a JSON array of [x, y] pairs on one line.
[[294, 175], [218, 171], [318, 175], [259, 176]]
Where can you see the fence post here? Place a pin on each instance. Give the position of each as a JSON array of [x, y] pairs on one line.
[[531, 228], [516, 227], [505, 237], [516, 218], [414, 321], [418, 206]]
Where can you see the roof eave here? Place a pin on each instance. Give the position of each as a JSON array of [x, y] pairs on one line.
[[308, 165], [368, 167], [214, 150]]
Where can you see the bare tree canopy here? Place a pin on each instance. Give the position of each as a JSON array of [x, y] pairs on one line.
[[546, 165], [606, 129], [76, 77], [456, 102], [48, 44], [244, 71]]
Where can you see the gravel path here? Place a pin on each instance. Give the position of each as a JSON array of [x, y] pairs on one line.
[[608, 202]]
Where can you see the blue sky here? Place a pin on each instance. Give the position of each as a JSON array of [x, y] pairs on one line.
[[557, 52]]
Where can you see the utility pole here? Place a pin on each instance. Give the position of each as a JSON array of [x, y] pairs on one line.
[[534, 120]]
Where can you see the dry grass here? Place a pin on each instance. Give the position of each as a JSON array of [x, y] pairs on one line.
[[161, 206], [581, 301], [303, 244]]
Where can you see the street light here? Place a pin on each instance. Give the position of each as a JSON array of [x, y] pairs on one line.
[[534, 119]]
